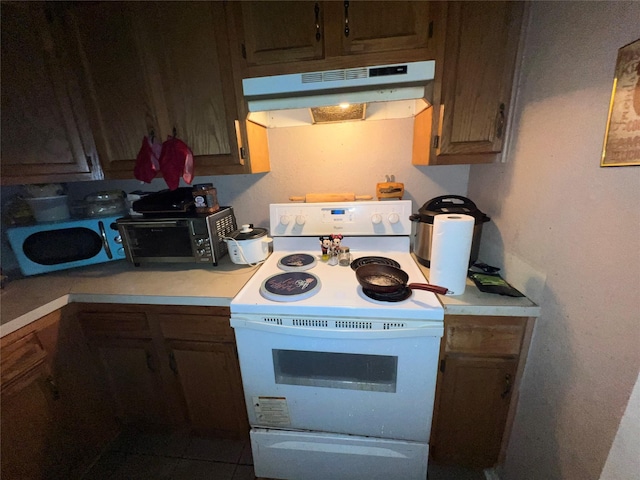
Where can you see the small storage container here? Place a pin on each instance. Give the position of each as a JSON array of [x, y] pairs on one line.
[[49, 209]]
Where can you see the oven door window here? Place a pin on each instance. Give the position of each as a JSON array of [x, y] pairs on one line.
[[55, 247], [161, 241], [375, 373]]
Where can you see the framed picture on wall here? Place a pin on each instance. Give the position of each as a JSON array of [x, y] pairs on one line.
[[622, 136]]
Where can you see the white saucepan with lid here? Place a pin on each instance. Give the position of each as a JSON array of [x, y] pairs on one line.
[[248, 245]]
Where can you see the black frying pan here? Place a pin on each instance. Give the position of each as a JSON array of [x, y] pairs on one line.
[[387, 279]]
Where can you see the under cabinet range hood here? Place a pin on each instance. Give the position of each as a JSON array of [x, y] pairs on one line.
[[364, 93]]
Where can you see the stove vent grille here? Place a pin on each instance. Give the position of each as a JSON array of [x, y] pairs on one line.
[[308, 322], [277, 321], [353, 324], [393, 325]]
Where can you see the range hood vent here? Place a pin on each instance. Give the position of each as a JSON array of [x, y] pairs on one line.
[[389, 91]]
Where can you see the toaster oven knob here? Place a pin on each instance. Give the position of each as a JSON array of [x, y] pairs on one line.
[[394, 218], [202, 252], [284, 219], [300, 220], [376, 218], [118, 239]]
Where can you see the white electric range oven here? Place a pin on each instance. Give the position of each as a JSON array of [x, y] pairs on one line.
[[338, 385]]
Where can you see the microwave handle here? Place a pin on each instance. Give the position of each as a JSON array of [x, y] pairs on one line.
[[105, 242]]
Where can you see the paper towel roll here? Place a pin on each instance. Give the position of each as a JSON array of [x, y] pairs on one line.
[[450, 251]]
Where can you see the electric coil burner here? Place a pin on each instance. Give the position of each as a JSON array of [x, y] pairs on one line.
[[338, 383]]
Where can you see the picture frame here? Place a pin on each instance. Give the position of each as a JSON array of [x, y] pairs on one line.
[[622, 135]]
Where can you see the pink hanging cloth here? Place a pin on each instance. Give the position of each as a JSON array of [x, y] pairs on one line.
[[176, 161], [148, 160]]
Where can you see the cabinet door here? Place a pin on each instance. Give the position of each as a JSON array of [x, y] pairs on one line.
[[158, 68], [480, 56], [328, 35], [282, 32], [44, 132], [132, 369], [473, 405], [209, 377], [367, 27], [122, 104]]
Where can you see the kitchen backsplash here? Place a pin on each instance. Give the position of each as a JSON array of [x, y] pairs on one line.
[[347, 157]]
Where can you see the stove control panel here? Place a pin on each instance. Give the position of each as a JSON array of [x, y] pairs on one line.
[[348, 218]]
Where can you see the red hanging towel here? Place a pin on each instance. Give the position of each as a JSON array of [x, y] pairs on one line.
[[176, 161], [147, 162]]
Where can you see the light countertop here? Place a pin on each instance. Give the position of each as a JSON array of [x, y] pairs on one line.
[[475, 302], [24, 301]]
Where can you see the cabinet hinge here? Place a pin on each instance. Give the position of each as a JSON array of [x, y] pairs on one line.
[[430, 29], [243, 153], [244, 51], [436, 141], [442, 364]]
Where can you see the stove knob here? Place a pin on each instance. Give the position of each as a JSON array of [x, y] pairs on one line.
[[300, 220], [284, 219], [376, 218], [394, 218]]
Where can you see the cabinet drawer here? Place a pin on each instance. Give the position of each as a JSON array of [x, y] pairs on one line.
[[196, 327], [487, 335], [120, 324], [20, 356]]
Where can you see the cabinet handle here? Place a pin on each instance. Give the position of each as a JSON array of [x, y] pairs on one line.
[[316, 10], [507, 385], [172, 363], [346, 19], [500, 121], [53, 387], [150, 362]]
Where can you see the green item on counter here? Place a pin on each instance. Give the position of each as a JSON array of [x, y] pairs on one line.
[[494, 284]]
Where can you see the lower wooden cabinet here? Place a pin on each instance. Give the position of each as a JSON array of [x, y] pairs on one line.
[[169, 366], [54, 417], [481, 360]]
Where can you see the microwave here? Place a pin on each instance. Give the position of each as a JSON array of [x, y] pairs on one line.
[[47, 247], [188, 238]]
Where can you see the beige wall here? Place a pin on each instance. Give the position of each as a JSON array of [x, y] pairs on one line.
[[349, 157], [557, 215]]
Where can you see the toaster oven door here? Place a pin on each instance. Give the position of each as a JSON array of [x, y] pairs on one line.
[[172, 241]]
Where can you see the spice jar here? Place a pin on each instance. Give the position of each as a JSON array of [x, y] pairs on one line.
[[205, 198], [344, 256]]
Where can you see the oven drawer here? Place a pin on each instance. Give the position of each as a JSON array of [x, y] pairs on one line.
[[319, 456]]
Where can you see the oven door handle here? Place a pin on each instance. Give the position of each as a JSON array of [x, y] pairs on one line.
[[428, 328]]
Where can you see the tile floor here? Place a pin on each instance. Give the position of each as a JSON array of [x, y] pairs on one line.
[[183, 456]]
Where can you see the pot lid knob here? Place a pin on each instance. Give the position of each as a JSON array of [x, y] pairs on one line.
[[246, 228]]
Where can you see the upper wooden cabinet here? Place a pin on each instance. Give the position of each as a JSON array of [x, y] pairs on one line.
[[44, 129], [274, 37], [158, 68], [479, 62]]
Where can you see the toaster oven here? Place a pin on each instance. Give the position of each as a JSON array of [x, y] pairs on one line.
[[189, 238]]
